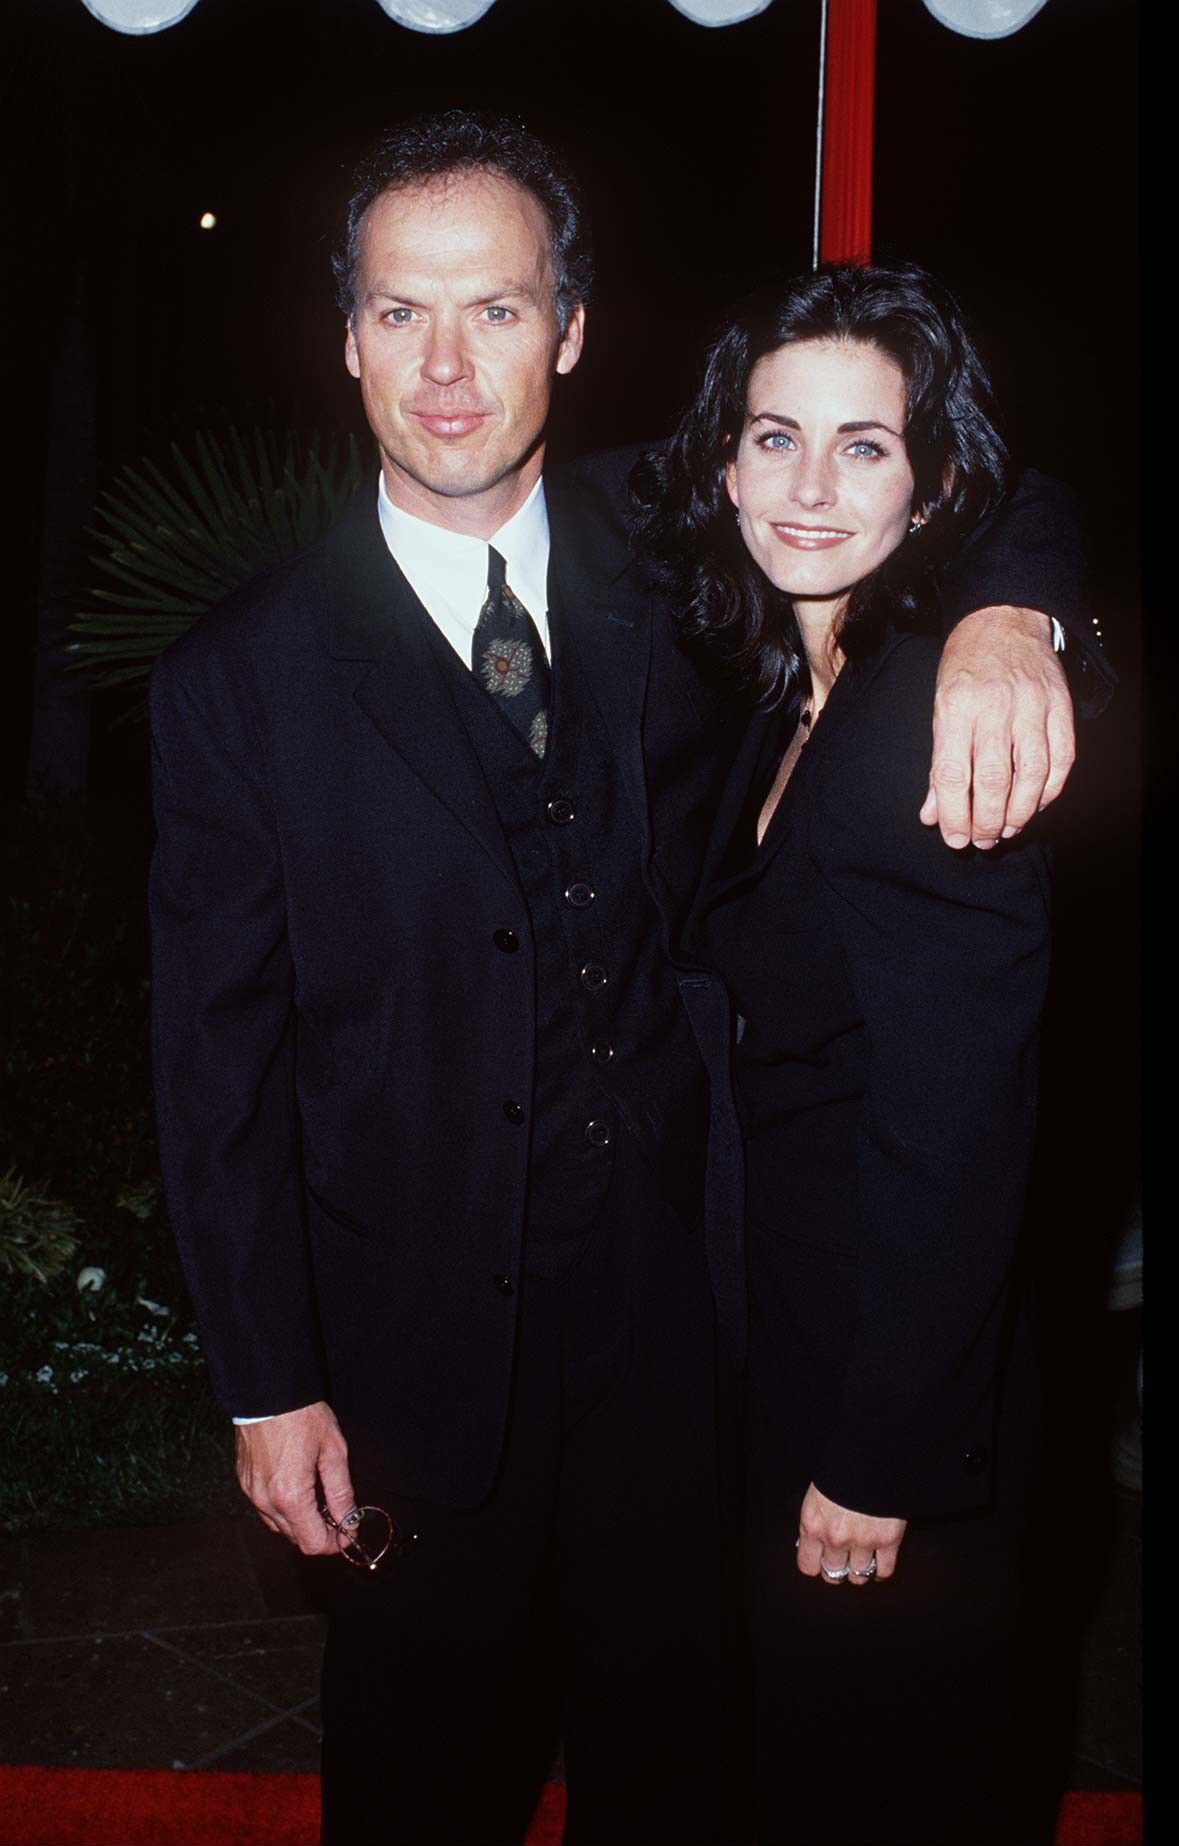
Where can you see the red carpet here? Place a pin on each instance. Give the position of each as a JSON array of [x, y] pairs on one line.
[[167, 1807]]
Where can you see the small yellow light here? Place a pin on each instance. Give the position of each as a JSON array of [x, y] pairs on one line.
[[208, 220]]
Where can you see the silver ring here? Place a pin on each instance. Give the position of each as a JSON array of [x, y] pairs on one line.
[[835, 1576], [870, 1572]]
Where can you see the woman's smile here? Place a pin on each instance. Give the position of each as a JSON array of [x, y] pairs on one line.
[[809, 538]]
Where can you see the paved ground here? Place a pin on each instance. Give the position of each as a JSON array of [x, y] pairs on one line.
[[198, 1646]]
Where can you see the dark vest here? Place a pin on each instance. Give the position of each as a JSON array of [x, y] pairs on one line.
[[616, 1058]]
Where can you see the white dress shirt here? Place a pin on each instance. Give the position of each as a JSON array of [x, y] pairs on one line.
[[448, 571]]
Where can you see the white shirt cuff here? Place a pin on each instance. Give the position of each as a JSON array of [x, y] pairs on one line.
[[1057, 635], [242, 1421]]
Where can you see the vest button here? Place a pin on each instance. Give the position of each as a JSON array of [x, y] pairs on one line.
[[976, 1461], [514, 1111], [598, 1134], [593, 976], [601, 1053], [504, 1285], [580, 895], [506, 940], [560, 811]]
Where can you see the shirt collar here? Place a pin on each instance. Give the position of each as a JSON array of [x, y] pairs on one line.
[[448, 570]]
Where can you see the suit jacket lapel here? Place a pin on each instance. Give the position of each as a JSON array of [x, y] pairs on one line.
[[730, 814], [373, 616], [849, 687], [603, 614]]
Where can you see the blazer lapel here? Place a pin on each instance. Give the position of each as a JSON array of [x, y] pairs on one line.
[[729, 815], [603, 614], [845, 694], [374, 617]]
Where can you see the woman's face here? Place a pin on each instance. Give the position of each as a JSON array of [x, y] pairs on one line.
[[821, 478]]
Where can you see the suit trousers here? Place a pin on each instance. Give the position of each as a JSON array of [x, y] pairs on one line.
[[582, 1599], [906, 1712]]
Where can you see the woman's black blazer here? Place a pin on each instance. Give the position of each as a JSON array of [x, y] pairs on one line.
[[935, 963]]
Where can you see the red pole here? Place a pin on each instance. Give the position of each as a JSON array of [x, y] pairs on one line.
[[845, 194]]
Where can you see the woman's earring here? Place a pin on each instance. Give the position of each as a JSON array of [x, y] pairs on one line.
[[916, 523]]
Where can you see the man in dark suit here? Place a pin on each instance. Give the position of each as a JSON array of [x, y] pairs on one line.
[[432, 1109]]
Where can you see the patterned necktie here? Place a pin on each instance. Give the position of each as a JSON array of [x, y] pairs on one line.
[[508, 657]]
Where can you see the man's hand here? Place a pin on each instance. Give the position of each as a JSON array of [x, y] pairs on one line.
[[831, 1535], [1003, 739], [278, 1464]]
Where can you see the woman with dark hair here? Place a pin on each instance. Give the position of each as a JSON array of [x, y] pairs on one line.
[[839, 452]]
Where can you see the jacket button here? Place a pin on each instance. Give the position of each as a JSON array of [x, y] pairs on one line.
[[976, 1461], [560, 811], [504, 1285], [579, 895], [514, 1111], [593, 975], [507, 940], [598, 1134], [601, 1053]]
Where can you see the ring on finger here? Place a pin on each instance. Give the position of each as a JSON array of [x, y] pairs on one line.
[[865, 1574], [838, 1574]]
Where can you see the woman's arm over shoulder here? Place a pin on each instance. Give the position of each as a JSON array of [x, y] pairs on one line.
[[948, 953]]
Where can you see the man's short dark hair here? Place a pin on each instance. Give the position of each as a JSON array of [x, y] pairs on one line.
[[456, 141]]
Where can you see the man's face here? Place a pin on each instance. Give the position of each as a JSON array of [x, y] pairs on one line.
[[455, 344]]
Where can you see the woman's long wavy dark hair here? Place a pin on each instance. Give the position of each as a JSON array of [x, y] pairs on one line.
[[685, 525]]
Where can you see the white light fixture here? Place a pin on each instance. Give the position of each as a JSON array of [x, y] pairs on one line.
[[139, 16], [208, 221], [720, 12], [435, 15], [984, 18]]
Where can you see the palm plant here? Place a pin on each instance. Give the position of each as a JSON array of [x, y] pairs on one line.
[[176, 542]]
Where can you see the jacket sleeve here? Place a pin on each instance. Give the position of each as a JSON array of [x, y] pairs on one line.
[[1031, 552], [223, 1036], [948, 955]]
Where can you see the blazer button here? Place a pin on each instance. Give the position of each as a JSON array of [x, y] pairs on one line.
[[593, 975], [598, 1134], [976, 1461], [560, 811], [507, 940], [514, 1111], [504, 1285], [579, 895], [601, 1053]]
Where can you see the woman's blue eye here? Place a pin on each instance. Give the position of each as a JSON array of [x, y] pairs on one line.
[[777, 440], [865, 447]]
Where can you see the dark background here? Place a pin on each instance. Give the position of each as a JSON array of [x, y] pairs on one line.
[[1008, 167]]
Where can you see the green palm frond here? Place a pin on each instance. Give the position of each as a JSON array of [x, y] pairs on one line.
[[172, 542]]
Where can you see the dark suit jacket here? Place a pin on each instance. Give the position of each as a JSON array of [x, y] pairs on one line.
[[891, 991], [334, 1027]]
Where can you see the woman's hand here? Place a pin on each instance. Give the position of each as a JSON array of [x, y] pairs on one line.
[[830, 1537]]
